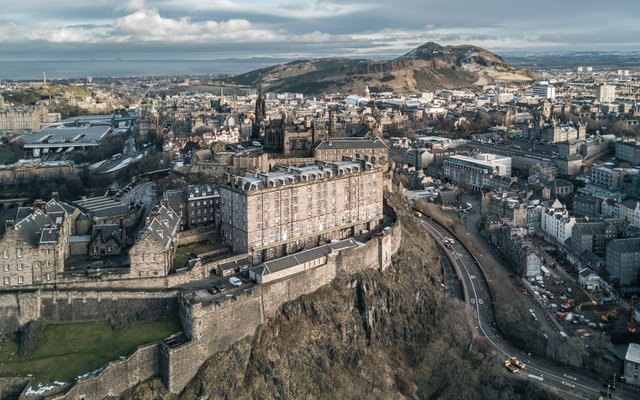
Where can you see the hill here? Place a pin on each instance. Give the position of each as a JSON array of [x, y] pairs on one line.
[[372, 335], [425, 68]]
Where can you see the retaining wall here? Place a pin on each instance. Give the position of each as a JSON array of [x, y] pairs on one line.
[[210, 327], [215, 327]]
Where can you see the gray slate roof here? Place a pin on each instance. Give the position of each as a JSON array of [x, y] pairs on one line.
[[32, 226], [303, 257], [164, 225], [104, 232]]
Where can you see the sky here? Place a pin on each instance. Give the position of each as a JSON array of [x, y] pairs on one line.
[[216, 29]]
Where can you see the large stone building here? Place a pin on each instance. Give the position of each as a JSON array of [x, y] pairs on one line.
[[476, 172], [35, 244], [551, 131], [282, 212], [25, 170], [375, 151], [592, 236], [289, 139], [629, 152], [519, 250], [20, 119], [623, 261]]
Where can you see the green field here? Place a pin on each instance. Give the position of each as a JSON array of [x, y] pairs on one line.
[[6, 156], [67, 350], [452, 215]]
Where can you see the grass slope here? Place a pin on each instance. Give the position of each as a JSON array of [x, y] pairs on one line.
[[67, 350]]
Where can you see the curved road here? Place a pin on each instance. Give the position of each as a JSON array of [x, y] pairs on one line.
[[567, 382]]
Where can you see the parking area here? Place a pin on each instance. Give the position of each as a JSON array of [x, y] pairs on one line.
[[577, 311], [217, 289]]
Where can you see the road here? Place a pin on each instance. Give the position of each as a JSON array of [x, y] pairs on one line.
[[569, 383]]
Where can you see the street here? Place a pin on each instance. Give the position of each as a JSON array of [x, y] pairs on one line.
[[570, 383]]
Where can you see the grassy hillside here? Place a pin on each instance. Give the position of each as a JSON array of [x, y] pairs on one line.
[[428, 67]]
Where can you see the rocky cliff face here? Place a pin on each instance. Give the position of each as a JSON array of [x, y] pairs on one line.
[[425, 68], [373, 335]]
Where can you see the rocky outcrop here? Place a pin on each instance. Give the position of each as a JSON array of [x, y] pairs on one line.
[[373, 335]]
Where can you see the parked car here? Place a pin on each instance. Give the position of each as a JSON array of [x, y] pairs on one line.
[[235, 281], [212, 290], [220, 288]]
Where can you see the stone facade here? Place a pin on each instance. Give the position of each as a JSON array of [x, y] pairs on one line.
[[26, 170], [33, 249], [154, 251], [629, 152], [289, 139], [280, 213], [24, 119], [336, 150], [202, 203]]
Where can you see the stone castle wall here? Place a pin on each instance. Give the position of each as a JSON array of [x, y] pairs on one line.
[[215, 327], [18, 308], [210, 327], [118, 376], [196, 235]]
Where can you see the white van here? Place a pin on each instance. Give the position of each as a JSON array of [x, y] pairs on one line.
[[235, 281]]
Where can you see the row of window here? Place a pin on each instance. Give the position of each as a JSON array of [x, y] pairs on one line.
[[7, 280], [153, 257], [7, 267], [20, 281], [5, 253]]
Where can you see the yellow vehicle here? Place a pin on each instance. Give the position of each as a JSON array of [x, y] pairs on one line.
[[512, 368], [517, 363]]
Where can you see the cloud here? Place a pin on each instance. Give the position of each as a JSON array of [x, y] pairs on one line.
[[313, 27], [131, 5]]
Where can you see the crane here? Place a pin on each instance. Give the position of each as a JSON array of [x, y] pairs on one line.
[[146, 93]]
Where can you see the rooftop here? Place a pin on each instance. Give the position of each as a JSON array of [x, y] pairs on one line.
[[54, 135], [633, 353]]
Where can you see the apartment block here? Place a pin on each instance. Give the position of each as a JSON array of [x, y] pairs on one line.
[[278, 213], [476, 172], [623, 261], [556, 222], [629, 152]]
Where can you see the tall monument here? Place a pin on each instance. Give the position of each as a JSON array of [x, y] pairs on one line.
[[260, 113]]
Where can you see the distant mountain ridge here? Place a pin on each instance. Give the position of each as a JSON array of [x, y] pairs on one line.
[[425, 68]]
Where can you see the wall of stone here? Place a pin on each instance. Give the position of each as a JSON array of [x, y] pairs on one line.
[[215, 327], [360, 258], [17, 308], [177, 366], [118, 376], [10, 388], [60, 306], [196, 235], [210, 327]]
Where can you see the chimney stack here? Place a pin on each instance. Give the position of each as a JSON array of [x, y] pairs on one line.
[[55, 196]]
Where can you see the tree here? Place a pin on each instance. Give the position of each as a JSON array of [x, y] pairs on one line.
[[74, 186]]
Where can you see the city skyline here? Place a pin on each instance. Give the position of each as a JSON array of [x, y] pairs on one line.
[[153, 29]]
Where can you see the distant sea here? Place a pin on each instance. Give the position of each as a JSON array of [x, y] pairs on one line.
[[69, 69]]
